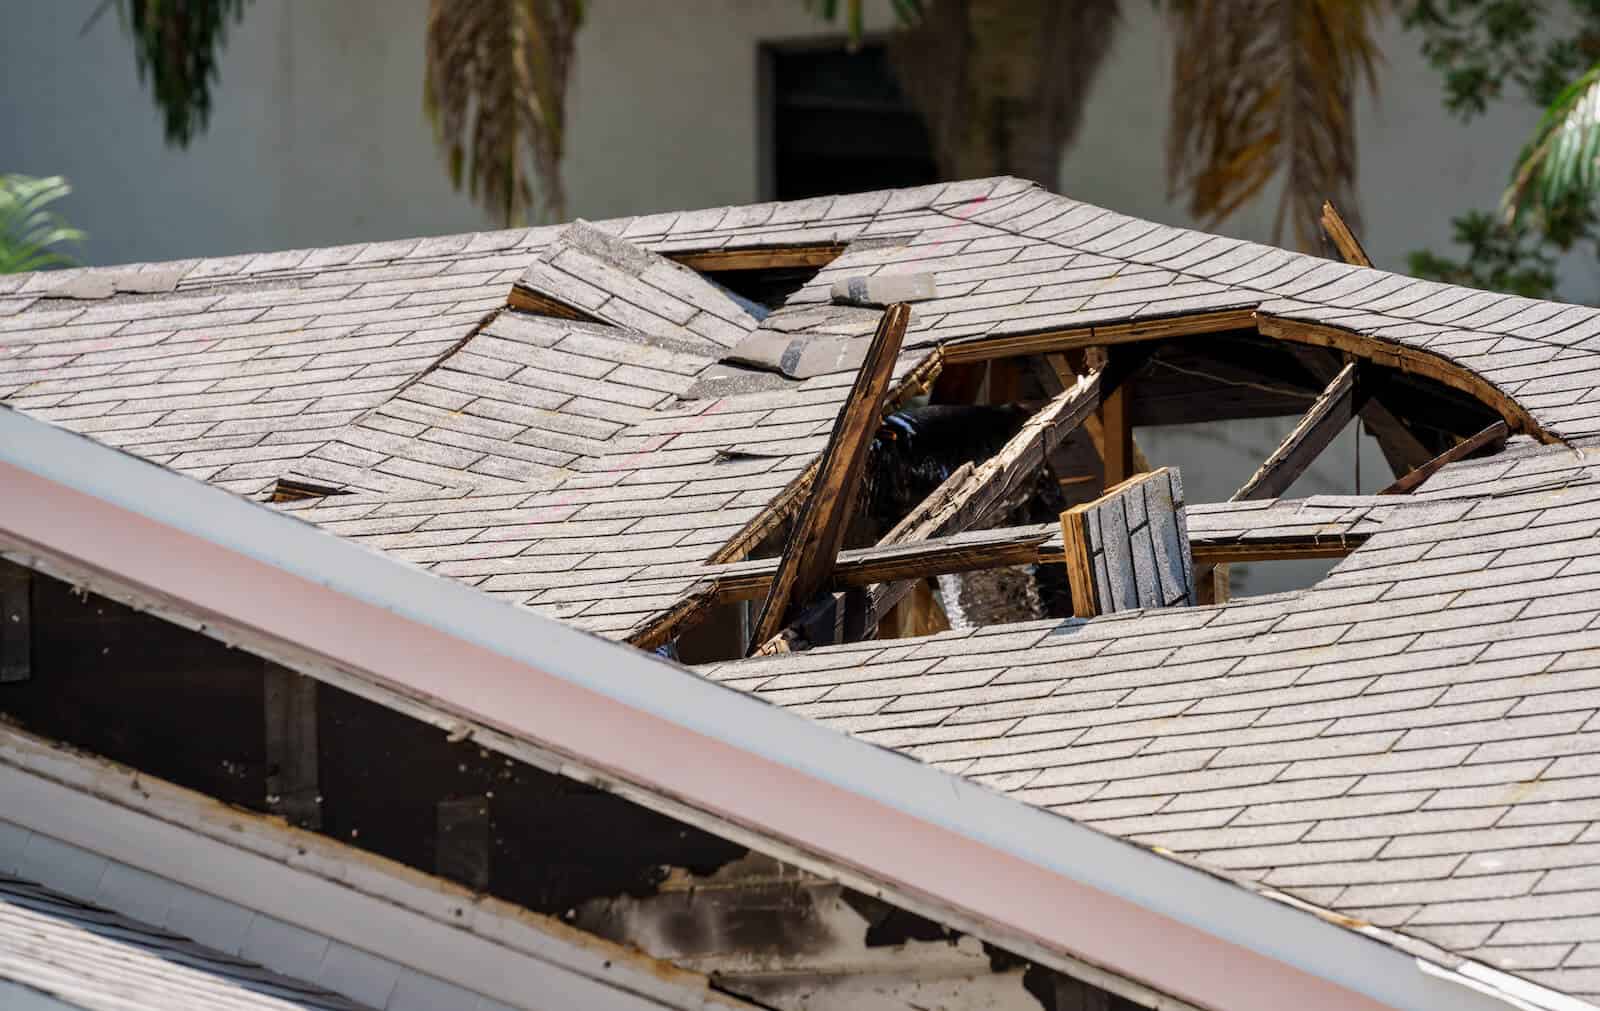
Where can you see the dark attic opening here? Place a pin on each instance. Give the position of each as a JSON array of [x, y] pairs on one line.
[[287, 753], [1003, 445]]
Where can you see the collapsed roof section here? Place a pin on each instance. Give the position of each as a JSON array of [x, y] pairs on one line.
[[1335, 743], [587, 273]]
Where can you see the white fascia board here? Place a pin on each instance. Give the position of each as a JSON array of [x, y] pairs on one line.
[[414, 920], [1008, 872]]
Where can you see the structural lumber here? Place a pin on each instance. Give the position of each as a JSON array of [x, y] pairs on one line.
[[1343, 238], [814, 543], [1094, 336], [1405, 358], [1217, 534], [1320, 425], [959, 508], [1495, 435], [760, 258]]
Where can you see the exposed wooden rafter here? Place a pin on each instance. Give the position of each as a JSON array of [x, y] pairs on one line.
[[814, 544], [1492, 436], [993, 482], [1343, 238], [1093, 336], [760, 258], [1328, 415], [1320, 425], [1217, 534]]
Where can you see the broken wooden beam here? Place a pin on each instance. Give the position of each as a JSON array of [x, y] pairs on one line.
[[1494, 436], [981, 350], [1343, 238], [759, 258], [1319, 426], [1129, 548], [1401, 448], [818, 534]]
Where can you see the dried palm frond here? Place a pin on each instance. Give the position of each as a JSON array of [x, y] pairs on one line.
[[1560, 167], [1002, 84], [1264, 85], [495, 90]]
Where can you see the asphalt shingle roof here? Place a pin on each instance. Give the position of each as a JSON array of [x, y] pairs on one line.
[[1410, 743]]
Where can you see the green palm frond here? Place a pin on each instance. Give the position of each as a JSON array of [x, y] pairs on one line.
[[495, 89], [1264, 85], [28, 228], [1560, 167]]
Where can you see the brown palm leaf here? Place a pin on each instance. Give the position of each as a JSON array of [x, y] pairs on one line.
[[1002, 84], [496, 90], [1261, 86]]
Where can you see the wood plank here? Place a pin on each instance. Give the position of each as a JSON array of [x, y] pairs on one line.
[[1059, 374], [918, 381], [995, 481], [1343, 238], [1402, 449], [759, 258], [527, 300], [1129, 549], [1076, 338], [814, 544], [1494, 436], [1405, 358], [290, 709], [1116, 441], [16, 622], [1320, 425]]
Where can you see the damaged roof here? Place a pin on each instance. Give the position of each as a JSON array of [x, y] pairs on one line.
[[573, 419]]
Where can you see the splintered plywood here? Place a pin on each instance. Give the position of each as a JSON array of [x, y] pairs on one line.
[[589, 274], [1129, 549]]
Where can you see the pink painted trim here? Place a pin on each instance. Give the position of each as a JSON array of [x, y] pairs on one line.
[[660, 756]]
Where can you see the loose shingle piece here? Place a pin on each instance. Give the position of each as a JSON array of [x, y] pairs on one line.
[[587, 273], [1413, 743]]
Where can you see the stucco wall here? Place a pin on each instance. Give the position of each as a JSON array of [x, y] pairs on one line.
[[318, 138], [318, 135]]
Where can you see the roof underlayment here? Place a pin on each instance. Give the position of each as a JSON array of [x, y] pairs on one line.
[[1406, 746]]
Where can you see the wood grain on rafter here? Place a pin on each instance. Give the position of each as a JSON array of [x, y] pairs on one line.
[[814, 544], [1320, 425], [1343, 238], [1492, 436]]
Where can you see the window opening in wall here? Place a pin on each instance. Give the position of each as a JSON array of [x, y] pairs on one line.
[[836, 122]]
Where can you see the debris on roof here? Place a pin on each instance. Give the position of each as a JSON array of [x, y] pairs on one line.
[[578, 421]]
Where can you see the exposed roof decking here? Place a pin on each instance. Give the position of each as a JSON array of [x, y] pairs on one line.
[[1408, 743], [1197, 730]]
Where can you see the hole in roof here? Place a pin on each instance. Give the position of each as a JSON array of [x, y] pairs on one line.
[[291, 490]]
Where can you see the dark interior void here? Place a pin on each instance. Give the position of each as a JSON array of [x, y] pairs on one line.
[[839, 124], [173, 703]]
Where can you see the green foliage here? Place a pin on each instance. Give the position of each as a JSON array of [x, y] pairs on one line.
[[1500, 257], [1483, 46], [28, 228], [1560, 168], [177, 44], [1485, 49]]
